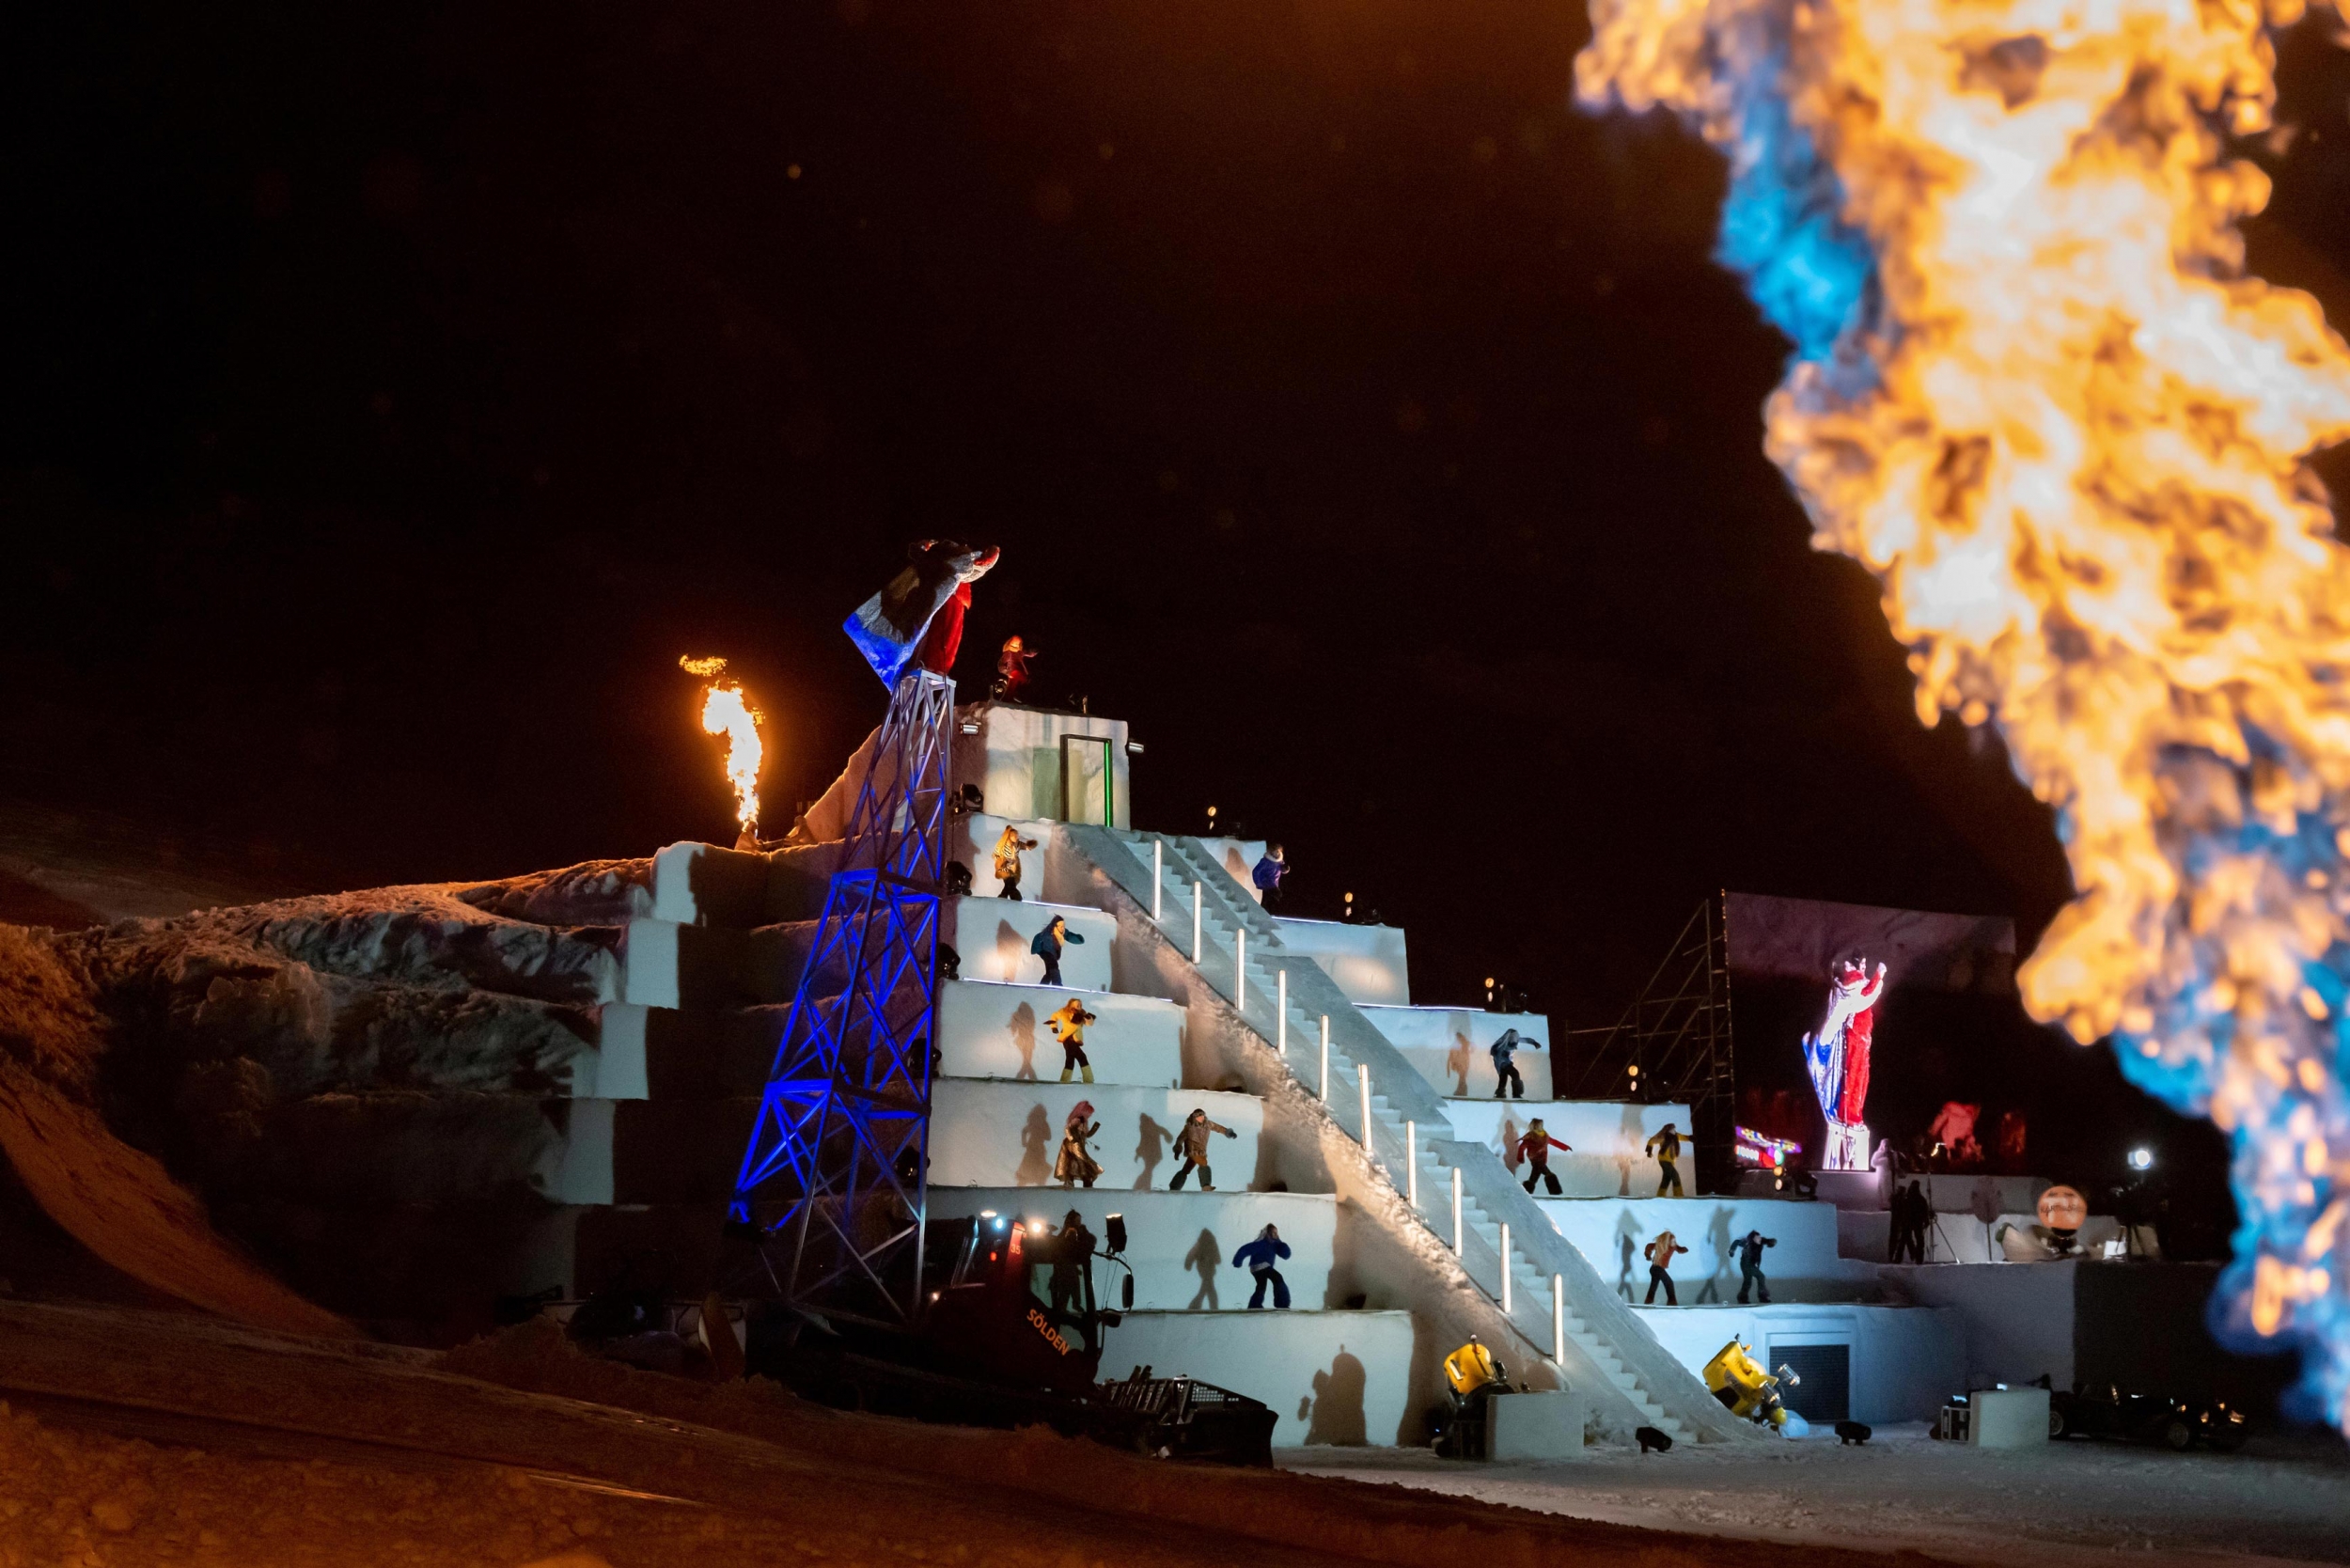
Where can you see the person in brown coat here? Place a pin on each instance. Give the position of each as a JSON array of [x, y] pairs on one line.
[[1075, 1162], [1659, 1254], [1191, 1142]]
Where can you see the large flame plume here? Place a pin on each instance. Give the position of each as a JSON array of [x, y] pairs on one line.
[[2035, 393], [727, 711]]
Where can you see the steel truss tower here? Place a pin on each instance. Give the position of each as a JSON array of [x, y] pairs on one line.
[[835, 1184], [1672, 1046]]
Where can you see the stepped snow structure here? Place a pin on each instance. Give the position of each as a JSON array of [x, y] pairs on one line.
[[546, 1084]]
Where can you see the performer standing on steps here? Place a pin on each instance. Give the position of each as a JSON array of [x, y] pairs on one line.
[[1047, 947], [1075, 1162], [1665, 1146], [1008, 850], [1191, 1142], [1534, 1149], [1506, 1074], [1067, 1023], [1259, 1258], [1749, 1255], [1659, 1254]]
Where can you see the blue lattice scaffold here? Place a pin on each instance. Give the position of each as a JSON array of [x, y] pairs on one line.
[[835, 1184]]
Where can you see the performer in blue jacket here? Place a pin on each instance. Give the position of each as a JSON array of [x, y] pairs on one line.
[[1047, 947], [1505, 1069], [1258, 1257]]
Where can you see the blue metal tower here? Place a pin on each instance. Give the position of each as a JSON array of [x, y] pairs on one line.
[[835, 1183]]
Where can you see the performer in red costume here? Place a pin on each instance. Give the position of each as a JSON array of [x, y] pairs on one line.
[[1859, 1030]]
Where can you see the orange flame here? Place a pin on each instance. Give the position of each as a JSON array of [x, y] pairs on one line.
[[2066, 431], [727, 711]]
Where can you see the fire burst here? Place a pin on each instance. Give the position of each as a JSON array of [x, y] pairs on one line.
[[2035, 393], [727, 711]]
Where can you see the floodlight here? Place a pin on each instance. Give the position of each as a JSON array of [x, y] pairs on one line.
[[2142, 1159]]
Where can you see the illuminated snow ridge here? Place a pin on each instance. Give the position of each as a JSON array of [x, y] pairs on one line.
[[2035, 394]]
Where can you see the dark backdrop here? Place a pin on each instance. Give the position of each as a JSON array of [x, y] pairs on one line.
[[393, 393]]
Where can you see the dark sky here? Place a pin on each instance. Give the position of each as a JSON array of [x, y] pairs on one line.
[[394, 393]]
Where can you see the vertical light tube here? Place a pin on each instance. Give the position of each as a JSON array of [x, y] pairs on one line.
[[1281, 1007], [1362, 1079], [1505, 1268], [1195, 925], [1411, 1163], [1456, 1211], [1325, 1091], [1240, 970], [1559, 1318], [1158, 885]]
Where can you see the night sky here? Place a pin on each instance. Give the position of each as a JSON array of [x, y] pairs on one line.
[[394, 393]]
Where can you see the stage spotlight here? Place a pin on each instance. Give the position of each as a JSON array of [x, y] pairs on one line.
[[2142, 1159], [1036, 1228]]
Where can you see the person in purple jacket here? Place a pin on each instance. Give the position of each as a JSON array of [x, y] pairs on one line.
[[1259, 1258], [1268, 875]]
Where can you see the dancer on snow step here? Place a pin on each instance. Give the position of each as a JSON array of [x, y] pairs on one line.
[[1534, 1149], [1267, 876], [1008, 850], [1659, 1254], [1047, 947], [1505, 1069], [1068, 1024], [1665, 1146], [1075, 1162], [1259, 1258], [1191, 1142], [1748, 1251]]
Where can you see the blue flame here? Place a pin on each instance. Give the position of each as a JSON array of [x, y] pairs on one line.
[[1783, 229]]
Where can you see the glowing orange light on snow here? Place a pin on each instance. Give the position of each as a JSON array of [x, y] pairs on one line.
[[727, 711], [2045, 405]]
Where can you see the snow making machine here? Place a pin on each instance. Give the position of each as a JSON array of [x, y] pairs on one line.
[[856, 1298]]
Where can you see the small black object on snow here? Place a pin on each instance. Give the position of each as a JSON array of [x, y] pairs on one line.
[[1654, 1441], [1852, 1432]]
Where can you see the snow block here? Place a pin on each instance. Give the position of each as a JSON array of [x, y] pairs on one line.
[[1609, 1141], [989, 1133], [1366, 962], [695, 1054], [991, 937], [1804, 1266], [1014, 755], [1447, 1046], [1334, 1377], [665, 963], [1179, 1246], [998, 1032], [702, 884], [1544, 1423]]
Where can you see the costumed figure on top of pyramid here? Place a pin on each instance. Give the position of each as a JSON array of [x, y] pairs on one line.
[[917, 619], [1838, 1059]]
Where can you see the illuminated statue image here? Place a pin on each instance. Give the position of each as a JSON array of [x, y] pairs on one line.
[[1838, 1057]]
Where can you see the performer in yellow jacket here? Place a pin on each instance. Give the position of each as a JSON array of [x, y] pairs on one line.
[[1068, 1024]]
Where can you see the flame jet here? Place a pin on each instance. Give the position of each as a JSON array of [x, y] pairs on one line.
[[727, 711], [2035, 393]]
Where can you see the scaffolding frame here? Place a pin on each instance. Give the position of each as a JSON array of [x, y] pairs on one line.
[[835, 1183], [1677, 1033]]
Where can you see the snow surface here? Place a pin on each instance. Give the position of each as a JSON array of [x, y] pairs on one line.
[[2284, 1498]]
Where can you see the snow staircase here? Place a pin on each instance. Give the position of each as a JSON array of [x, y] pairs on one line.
[[1406, 1141]]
